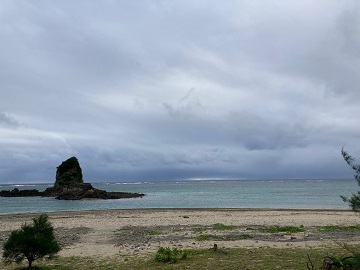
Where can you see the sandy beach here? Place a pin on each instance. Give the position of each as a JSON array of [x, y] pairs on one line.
[[111, 232]]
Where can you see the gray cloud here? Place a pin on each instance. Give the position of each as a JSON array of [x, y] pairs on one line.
[[258, 133], [8, 120], [178, 89]]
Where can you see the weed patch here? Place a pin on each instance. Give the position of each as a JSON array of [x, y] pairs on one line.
[[222, 227], [342, 228], [168, 255], [199, 229], [206, 237], [153, 232], [237, 258], [282, 229]]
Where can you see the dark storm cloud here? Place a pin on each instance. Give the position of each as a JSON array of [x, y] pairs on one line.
[[258, 133], [178, 89]]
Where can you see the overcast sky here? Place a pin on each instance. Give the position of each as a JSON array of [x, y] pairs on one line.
[[164, 90]]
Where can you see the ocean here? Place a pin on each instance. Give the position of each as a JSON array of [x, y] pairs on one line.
[[279, 194]]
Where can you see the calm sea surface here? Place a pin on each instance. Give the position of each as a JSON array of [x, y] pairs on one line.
[[294, 194]]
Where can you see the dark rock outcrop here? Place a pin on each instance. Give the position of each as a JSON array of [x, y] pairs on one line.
[[69, 174], [20, 193], [93, 193], [69, 185]]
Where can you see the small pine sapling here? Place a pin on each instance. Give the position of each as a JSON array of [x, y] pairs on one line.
[[354, 200], [31, 242]]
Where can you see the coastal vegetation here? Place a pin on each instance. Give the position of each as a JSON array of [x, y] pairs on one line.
[[282, 229], [222, 227], [339, 227], [192, 246], [168, 255], [354, 200], [31, 242], [235, 258], [352, 259]]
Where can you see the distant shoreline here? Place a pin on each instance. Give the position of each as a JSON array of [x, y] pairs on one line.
[[188, 180], [95, 211]]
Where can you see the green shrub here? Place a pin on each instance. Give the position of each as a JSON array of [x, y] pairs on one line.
[[350, 261], [342, 262], [170, 255], [31, 242], [354, 200]]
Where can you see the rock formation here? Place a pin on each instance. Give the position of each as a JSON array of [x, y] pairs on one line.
[[69, 174], [69, 185], [20, 193]]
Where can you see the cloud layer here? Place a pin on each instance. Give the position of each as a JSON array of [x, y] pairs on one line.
[[162, 90]]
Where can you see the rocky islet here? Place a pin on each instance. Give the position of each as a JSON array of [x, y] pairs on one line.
[[69, 185]]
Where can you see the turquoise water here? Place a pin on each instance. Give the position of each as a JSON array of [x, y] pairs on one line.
[[294, 194]]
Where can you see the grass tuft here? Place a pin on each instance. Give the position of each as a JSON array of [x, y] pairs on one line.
[[167, 255], [153, 232], [342, 228], [222, 227], [237, 258], [282, 229], [199, 229]]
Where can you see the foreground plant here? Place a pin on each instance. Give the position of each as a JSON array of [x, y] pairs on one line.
[[354, 200], [170, 255], [350, 261], [31, 242]]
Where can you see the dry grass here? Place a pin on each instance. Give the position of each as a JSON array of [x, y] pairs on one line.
[[239, 258]]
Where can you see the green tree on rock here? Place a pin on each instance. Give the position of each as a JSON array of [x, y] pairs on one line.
[[31, 242], [354, 200]]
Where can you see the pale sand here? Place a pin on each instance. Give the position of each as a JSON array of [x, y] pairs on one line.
[[96, 231]]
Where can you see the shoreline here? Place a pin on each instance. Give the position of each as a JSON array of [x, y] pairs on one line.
[[184, 209], [105, 233]]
